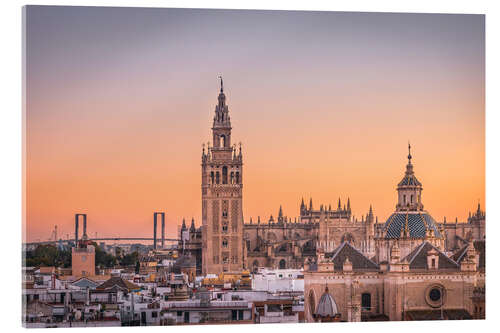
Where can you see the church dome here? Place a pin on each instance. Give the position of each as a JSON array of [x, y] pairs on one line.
[[326, 306], [414, 223], [409, 179]]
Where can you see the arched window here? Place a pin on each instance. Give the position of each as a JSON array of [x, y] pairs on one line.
[[224, 175], [237, 177], [232, 177], [217, 177], [222, 142], [366, 302], [224, 242], [404, 198], [211, 177], [282, 264]]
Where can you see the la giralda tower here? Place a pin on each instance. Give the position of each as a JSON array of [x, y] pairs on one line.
[[221, 193]]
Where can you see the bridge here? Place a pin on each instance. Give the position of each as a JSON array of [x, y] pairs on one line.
[[96, 239], [100, 239]]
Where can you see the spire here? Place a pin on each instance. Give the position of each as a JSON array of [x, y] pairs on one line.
[[280, 214], [310, 204], [349, 205], [339, 207], [192, 228], [302, 205], [221, 84], [184, 224], [409, 153]]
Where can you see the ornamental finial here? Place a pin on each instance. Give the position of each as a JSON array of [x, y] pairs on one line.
[[409, 152]]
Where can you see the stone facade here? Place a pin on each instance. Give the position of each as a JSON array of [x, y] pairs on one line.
[[421, 270], [221, 186], [83, 260]]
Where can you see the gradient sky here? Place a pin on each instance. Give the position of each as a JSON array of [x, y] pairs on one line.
[[120, 100]]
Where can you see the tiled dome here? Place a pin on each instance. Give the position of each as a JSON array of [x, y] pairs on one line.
[[415, 223]]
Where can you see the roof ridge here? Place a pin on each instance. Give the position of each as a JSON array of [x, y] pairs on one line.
[[336, 252], [359, 252], [417, 251], [464, 251]]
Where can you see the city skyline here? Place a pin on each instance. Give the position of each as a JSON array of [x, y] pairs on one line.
[[322, 122]]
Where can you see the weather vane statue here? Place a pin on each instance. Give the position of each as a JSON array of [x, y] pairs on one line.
[[221, 84]]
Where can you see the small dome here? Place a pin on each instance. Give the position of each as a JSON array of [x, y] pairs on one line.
[[409, 180], [415, 222], [326, 306]]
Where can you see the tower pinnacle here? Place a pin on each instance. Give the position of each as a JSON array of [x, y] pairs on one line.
[[409, 153], [221, 84]]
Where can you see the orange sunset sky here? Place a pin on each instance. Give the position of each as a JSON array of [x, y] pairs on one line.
[[120, 100]]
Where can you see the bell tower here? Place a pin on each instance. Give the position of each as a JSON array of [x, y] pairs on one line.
[[221, 192], [409, 189]]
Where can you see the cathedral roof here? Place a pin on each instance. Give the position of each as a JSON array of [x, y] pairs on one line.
[[347, 251], [417, 259], [326, 306], [414, 223], [461, 253]]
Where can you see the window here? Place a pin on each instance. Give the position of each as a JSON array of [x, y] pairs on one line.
[[232, 177], [237, 177], [234, 314], [366, 302], [211, 177], [404, 198], [240, 314], [154, 314], [224, 242], [224, 175], [435, 294], [433, 265], [217, 177], [224, 228], [411, 198]]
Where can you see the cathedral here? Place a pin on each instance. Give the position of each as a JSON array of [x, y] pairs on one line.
[[409, 267]]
